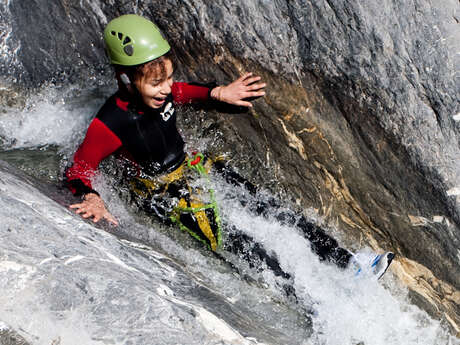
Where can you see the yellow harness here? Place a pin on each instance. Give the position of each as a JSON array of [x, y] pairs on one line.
[[192, 206]]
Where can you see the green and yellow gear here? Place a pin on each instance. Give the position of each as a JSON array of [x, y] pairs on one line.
[[201, 220]]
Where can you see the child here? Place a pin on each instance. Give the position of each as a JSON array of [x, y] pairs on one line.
[[139, 121], [138, 124]]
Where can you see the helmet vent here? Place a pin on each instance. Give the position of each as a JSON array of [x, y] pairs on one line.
[[129, 50], [120, 36], [113, 33], [126, 40]]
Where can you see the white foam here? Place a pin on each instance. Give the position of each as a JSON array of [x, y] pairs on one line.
[[454, 191], [3, 327], [345, 310], [18, 273], [10, 265], [49, 119]]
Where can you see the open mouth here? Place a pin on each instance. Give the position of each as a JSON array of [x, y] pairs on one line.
[[159, 100]]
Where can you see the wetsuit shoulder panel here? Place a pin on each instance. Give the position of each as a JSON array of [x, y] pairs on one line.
[[99, 143], [115, 115]]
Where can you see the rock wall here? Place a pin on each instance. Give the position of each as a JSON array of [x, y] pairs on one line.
[[360, 121]]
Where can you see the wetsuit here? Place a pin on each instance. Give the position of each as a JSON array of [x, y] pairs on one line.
[[146, 137], [149, 140]]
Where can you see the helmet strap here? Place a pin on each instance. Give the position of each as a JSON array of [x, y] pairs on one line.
[[125, 79]]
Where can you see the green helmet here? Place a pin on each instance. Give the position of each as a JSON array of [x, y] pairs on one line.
[[133, 40]]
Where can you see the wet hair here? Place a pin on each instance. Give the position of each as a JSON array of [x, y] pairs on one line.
[[153, 69]]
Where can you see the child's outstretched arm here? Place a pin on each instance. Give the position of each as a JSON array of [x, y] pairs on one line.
[[99, 143], [236, 92]]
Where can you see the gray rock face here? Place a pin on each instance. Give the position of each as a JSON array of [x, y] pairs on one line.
[[359, 121], [56, 41], [63, 281]]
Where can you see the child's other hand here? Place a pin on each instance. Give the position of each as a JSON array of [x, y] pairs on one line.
[[244, 87], [93, 206]]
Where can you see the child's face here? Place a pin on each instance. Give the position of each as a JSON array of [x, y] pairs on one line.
[[155, 88]]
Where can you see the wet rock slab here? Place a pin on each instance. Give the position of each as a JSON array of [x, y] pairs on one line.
[[64, 281]]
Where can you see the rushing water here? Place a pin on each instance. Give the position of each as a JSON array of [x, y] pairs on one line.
[[65, 281]]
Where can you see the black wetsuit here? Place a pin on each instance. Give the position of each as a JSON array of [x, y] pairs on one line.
[[146, 137]]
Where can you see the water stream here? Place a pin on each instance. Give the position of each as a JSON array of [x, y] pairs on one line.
[[66, 281]]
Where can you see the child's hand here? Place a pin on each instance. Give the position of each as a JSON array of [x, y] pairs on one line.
[[236, 92], [93, 206]]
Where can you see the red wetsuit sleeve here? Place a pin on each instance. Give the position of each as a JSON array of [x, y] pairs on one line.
[[99, 143], [184, 93]]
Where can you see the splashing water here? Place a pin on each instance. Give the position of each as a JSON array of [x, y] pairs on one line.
[[345, 309], [342, 309]]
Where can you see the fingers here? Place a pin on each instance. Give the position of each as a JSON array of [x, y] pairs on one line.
[[111, 219], [251, 89], [87, 215], [87, 211], [246, 86], [255, 94], [256, 87], [76, 206], [244, 76], [249, 83], [80, 208], [247, 79], [244, 104], [107, 216], [251, 80]]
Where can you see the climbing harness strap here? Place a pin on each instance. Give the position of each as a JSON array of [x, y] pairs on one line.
[[200, 219], [198, 209]]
